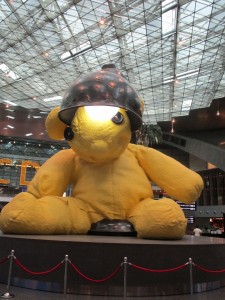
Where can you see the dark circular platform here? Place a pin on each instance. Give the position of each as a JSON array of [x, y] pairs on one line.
[[99, 256]]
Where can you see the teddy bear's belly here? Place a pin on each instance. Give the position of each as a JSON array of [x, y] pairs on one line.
[[111, 190]]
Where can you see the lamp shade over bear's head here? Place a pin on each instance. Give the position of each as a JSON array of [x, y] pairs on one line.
[[106, 87]]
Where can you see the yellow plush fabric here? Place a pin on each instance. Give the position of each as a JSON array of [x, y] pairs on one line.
[[54, 127], [99, 141], [111, 179]]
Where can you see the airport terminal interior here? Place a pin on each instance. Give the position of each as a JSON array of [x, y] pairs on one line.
[[172, 53]]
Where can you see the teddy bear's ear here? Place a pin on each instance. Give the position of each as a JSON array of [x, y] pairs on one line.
[[54, 126]]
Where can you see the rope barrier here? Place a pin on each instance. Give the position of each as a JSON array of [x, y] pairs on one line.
[[66, 261], [3, 260], [158, 271], [95, 280], [207, 270], [37, 273]]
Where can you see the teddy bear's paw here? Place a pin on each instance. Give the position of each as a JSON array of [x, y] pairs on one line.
[[28, 215], [159, 219], [48, 215]]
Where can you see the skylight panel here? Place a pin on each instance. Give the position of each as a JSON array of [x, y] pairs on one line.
[[168, 4], [9, 73], [186, 105], [169, 8], [81, 49]]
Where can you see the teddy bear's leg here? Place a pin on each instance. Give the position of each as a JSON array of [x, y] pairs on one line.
[[158, 219], [48, 215]]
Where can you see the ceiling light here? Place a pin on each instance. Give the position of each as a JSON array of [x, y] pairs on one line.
[[28, 134], [45, 54], [181, 76], [81, 48], [9, 126], [52, 98], [180, 42], [43, 112], [66, 55], [37, 117], [9, 102], [218, 109], [102, 22], [188, 73], [10, 117], [168, 81]]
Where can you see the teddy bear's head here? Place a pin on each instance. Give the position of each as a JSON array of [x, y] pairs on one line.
[[97, 115]]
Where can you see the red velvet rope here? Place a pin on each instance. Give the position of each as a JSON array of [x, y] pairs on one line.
[[95, 280], [37, 273], [209, 271], [158, 271], [3, 260]]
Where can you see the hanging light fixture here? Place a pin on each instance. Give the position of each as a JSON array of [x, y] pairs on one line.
[[102, 22], [218, 109], [172, 122]]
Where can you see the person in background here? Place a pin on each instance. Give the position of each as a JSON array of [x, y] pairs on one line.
[[197, 231]]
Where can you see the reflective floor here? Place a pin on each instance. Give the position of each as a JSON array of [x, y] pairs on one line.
[[26, 294]]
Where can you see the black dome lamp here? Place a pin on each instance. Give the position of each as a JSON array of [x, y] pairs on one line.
[[106, 87]]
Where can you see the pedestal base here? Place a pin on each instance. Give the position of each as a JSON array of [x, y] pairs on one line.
[[98, 256]]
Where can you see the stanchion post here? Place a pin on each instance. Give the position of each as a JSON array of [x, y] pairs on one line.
[[8, 295], [65, 275], [125, 278], [191, 275]]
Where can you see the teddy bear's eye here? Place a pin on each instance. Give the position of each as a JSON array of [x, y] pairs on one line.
[[118, 118]]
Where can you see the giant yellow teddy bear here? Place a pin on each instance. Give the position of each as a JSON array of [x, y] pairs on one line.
[[110, 177]]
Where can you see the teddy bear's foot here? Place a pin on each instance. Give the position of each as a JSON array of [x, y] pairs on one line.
[[159, 219], [48, 215]]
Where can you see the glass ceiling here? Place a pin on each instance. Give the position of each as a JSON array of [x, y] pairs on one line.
[[172, 52]]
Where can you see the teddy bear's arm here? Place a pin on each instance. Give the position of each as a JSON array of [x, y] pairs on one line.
[[178, 181], [54, 175]]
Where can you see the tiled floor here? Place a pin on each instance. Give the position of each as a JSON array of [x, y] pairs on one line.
[[26, 294]]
